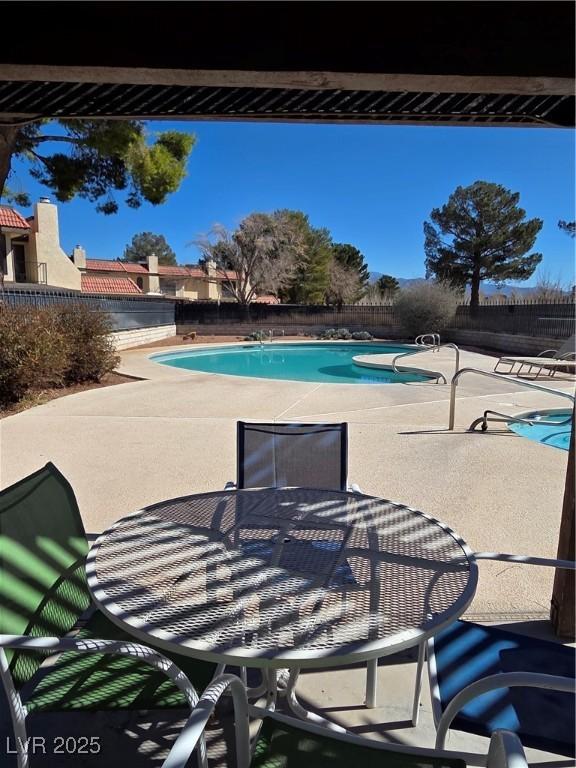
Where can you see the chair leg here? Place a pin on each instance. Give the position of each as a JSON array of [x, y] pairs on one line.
[[418, 683], [372, 683]]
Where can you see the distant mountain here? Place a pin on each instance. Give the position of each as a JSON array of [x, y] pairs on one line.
[[488, 289]]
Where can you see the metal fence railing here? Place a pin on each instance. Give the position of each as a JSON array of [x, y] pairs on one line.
[[531, 319], [126, 312], [278, 315], [554, 320]]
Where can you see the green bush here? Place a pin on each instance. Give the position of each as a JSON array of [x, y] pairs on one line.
[[426, 308], [362, 336], [43, 348], [91, 352]]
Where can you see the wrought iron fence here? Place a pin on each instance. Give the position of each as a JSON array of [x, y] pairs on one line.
[[126, 312], [555, 319], [278, 315], [527, 318]]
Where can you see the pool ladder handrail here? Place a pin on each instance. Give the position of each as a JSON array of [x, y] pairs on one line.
[[498, 377], [430, 348], [434, 336], [504, 417]]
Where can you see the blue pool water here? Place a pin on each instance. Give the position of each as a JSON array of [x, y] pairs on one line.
[[558, 437], [329, 363]]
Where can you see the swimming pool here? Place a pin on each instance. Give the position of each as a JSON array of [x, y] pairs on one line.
[[558, 437], [330, 363]]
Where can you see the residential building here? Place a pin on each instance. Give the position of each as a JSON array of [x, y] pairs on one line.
[[30, 254], [30, 249]]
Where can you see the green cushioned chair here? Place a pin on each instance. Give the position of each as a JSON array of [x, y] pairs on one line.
[[44, 595]]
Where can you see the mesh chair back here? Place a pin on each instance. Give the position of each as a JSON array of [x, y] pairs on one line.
[[278, 455], [567, 346], [43, 549]]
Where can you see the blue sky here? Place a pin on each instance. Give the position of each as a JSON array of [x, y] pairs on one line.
[[372, 186]]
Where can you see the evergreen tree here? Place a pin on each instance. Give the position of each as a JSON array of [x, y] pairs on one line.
[[102, 157], [311, 280], [480, 234], [146, 244], [350, 257], [388, 286], [568, 226]]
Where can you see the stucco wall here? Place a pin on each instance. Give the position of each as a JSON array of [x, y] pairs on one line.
[[44, 247]]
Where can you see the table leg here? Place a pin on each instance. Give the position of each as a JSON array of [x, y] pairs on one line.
[[371, 683], [301, 712], [418, 684]]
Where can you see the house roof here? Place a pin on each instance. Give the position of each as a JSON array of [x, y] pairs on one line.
[[195, 271], [108, 265], [11, 219], [267, 299], [180, 271], [118, 285]]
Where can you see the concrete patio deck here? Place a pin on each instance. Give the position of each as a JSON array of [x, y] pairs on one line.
[[174, 433]]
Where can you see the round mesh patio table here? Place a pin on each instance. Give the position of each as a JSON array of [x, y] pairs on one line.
[[281, 577]]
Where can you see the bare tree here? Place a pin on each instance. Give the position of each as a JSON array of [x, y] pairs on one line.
[[344, 285], [259, 257], [549, 290]]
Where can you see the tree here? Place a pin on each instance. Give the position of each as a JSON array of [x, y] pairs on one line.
[[388, 286], [480, 234], [102, 157], [344, 284], [568, 226], [147, 244], [311, 279], [349, 256], [549, 290], [259, 257]]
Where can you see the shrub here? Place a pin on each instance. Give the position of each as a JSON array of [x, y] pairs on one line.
[[91, 352], [333, 334], [426, 308], [257, 336], [50, 347], [362, 336], [34, 353]]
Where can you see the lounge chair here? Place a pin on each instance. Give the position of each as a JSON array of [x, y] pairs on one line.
[[57, 652], [550, 359], [483, 678]]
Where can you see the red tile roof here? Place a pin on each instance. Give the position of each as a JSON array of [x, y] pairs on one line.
[[96, 284], [108, 265], [10, 218], [177, 271], [226, 274], [132, 267], [266, 300]]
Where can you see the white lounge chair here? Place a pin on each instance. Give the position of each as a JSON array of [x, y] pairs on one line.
[[550, 359]]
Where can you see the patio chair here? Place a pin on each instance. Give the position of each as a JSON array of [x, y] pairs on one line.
[[483, 678], [289, 743], [550, 359], [288, 454], [57, 652]]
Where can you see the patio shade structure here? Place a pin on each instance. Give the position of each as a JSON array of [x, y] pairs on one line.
[[431, 63], [505, 63]]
